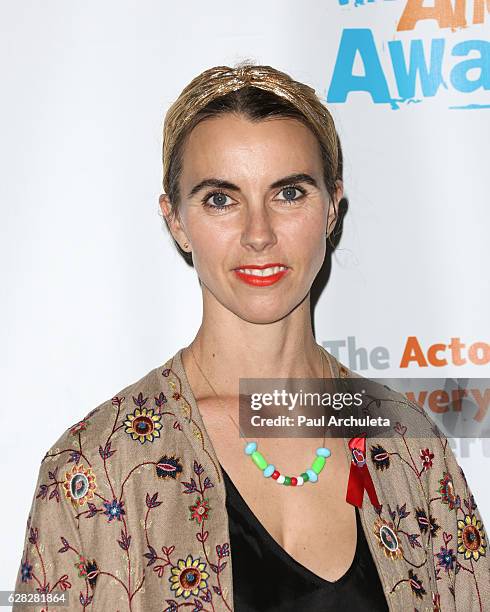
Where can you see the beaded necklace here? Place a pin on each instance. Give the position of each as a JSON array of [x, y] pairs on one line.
[[268, 469]]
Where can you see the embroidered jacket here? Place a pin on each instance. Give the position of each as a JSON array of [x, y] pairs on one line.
[[129, 511]]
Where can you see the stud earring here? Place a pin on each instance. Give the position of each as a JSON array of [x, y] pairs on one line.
[[186, 245]]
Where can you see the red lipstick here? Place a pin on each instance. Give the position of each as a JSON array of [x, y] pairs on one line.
[[259, 280]]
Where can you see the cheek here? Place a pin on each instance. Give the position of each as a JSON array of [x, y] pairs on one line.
[[316, 252], [306, 233], [211, 250], [313, 247]]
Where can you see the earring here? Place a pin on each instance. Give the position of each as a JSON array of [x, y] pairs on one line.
[[186, 245]]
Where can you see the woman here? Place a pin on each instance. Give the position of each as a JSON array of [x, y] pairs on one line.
[[150, 502]]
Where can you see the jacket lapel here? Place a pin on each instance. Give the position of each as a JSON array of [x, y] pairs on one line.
[[205, 468]]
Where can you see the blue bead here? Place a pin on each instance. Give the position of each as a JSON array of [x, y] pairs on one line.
[[250, 448], [323, 452], [313, 476], [269, 470]]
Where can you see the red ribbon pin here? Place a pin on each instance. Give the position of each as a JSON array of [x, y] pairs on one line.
[[359, 476]]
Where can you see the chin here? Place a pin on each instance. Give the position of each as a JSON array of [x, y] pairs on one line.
[[261, 315]]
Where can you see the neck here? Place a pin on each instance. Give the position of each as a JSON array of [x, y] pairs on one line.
[[228, 348]]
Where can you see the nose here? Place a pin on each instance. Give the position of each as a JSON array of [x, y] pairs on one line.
[[258, 232]]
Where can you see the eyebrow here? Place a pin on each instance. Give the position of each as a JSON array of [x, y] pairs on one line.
[[222, 184]]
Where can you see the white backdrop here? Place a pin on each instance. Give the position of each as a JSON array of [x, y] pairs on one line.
[[84, 90]]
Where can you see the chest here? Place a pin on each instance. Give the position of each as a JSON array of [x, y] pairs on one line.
[[313, 523]]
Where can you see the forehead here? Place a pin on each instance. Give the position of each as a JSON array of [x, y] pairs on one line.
[[232, 145]]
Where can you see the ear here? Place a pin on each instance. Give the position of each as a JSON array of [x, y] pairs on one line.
[[333, 211], [174, 222]]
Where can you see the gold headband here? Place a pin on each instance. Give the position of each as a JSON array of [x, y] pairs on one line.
[[220, 80]]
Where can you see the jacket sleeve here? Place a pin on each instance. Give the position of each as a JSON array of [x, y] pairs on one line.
[[52, 564], [460, 545]]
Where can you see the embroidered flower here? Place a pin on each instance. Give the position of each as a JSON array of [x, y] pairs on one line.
[[74, 457], [188, 576], [114, 509], [223, 551], [26, 571], [87, 569], [200, 510], [426, 523], [92, 572], [64, 583], [446, 558], [80, 565], [380, 457], [143, 425], [168, 466], [416, 584], [79, 484], [388, 539], [446, 490], [471, 537], [426, 455], [80, 426]]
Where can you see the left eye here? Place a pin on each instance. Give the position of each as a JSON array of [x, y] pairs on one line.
[[290, 193]]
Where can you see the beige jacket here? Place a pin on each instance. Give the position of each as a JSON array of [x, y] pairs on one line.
[[129, 511]]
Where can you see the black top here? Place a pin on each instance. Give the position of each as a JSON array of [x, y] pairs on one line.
[[266, 578]]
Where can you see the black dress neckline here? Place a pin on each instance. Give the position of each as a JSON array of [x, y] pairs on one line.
[[282, 552], [266, 578]]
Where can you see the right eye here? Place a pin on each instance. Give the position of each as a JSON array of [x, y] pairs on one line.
[[216, 200]]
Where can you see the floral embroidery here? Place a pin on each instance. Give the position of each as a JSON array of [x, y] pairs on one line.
[[200, 510], [188, 577], [446, 490], [427, 456], [471, 537], [380, 457], [223, 551], [143, 425], [168, 467], [80, 426], [426, 523], [186, 409], [387, 539], [26, 571], [471, 543], [92, 572], [79, 485], [446, 558], [416, 584], [114, 509], [87, 569]]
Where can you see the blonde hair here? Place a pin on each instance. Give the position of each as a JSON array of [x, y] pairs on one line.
[[258, 92]]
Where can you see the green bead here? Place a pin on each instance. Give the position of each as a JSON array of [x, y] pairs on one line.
[[305, 476], [259, 460], [318, 465], [287, 480]]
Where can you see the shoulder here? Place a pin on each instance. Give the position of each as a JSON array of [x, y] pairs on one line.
[[412, 453]]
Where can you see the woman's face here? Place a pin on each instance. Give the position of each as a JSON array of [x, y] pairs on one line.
[[253, 194]]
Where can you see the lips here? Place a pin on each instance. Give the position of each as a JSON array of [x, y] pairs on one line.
[[261, 275], [260, 267]]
